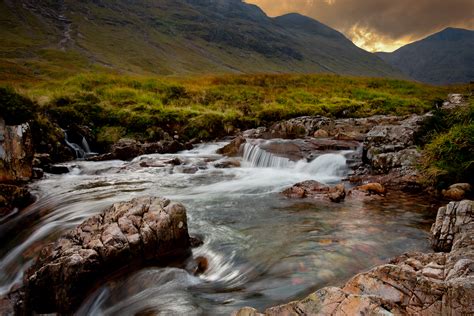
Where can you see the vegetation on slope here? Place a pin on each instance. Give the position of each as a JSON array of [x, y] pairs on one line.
[[449, 150]]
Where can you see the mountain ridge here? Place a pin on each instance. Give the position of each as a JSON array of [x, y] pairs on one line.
[[445, 57], [174, 38]]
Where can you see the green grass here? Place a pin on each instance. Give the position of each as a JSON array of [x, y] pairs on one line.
[[213, 106], [448, 155]]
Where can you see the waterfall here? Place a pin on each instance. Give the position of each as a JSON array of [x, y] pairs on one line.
[[81, 151], [254, 156], [325, 165]]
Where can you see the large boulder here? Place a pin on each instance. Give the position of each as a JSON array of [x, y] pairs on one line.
[[144, 230], [16, 152], [412, 284]]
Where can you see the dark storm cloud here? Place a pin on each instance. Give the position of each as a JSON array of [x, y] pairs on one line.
[[384, 22]]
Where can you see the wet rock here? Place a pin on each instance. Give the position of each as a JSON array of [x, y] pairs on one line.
[[127, 234], [57, 169], [12, 196], [196, 241], [316, 190], [453, 194], [454, 101], [16, 152], [38, 173], [186, 169], [448, 222], [371, 188], [456, 192], [321, 133], [127, 149], [411, 284], [224, 164], [233, 148], [338, 193]]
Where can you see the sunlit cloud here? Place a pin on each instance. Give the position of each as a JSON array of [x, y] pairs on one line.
[[380, 24]]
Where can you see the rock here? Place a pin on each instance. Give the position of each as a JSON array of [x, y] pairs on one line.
[[57, 169], [224, 164], [233, 148], [12, 196], [448, 222], [127, 149], [411, 284], [38, 173], [455, 194], [338, 193], [371, 188], [466, 187], [316, 190], [127, 234], [385, 162], [16, 152], [321, 133]]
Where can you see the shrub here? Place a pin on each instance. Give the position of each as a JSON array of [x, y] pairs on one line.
[[14, 108], [449, 157]]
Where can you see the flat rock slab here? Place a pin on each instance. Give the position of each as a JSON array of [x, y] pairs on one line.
[[146, 229]]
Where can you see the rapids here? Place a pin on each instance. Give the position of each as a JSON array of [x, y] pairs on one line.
[[262, 249]]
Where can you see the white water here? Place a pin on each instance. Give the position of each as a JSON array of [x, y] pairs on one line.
[[81, 151]]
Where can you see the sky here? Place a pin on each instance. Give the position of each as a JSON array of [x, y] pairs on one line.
[[380, 25]]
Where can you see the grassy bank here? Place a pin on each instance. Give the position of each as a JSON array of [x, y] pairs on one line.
[[115, 106], [208, 107]]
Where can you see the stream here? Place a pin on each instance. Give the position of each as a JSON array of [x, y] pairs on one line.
[[263, 249]]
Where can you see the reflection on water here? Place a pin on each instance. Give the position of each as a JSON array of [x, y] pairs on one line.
[[262, 248]]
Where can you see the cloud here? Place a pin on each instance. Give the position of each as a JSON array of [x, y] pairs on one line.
[[380, 24]]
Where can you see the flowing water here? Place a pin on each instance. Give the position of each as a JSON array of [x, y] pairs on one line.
[[263, 249]]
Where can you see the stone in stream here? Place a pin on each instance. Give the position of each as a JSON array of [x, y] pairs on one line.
[[233, 148], [143, 230], [412, 284], [316, 190]]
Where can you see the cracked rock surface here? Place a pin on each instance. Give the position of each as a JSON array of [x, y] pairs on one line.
[[411, 284], [146, 229]]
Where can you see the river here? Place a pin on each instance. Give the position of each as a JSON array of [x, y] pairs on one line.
[[263, 249]]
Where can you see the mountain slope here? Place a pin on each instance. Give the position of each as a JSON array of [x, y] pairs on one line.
[[443, 58], [172, 37]]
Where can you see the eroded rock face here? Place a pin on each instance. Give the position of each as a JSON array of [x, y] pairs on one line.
[[412, 284], [146, 229], [16, 152], [449, 222]]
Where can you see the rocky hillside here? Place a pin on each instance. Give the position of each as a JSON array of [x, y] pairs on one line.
[[171, 37], [443, 58]]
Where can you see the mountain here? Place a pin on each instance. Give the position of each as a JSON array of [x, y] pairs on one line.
[[168, 37], [442, 58]]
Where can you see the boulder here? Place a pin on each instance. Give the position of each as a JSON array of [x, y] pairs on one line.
[[233, 148], [16, 152], [453, 194], [144, 230], [383, 163], [338, 193], [411, 284]]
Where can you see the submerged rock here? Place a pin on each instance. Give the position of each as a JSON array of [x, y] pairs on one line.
[[411, 284], [144, 230]]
